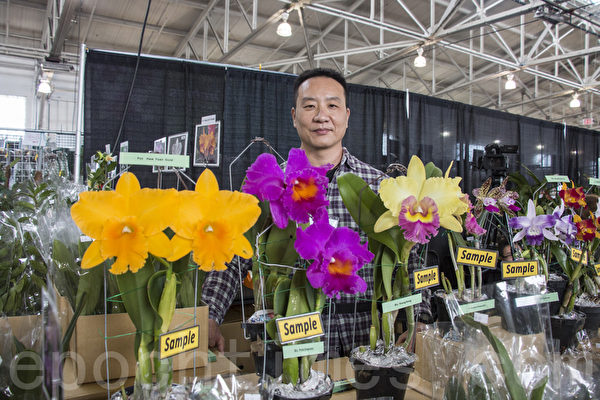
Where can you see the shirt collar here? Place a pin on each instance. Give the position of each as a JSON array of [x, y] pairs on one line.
[[349, 159]]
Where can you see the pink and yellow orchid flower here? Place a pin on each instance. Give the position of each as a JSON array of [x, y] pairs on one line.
[[420, 205], [126, 223]]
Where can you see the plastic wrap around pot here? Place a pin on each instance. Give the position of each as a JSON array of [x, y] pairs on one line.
[[518, 314], [496, 363]]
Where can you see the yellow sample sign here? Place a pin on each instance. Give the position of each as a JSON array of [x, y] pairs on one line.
[[597, 268], [476, 257], [173, 343], [576, 256], [298, 327], [426, 278], [519, 269]]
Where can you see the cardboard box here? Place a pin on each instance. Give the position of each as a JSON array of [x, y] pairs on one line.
[[88, 345], [237, 347]]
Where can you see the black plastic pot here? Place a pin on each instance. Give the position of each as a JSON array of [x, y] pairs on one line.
[[564, 329], [274, 362], [592, 319], [325, 396], [254, 329], [378, 382], [559, 287], [522, 320]]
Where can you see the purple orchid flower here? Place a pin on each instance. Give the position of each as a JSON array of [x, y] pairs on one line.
[[533, 227], [564, 227], [297, 194], [490, 204], [507, 201], [337, 256]]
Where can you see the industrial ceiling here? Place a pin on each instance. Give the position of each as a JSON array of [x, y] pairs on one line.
[[549, 48]]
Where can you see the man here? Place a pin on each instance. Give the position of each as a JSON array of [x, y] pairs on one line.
[[320, 116]]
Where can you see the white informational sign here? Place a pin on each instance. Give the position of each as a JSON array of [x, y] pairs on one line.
[[36, 139], [209, 119]]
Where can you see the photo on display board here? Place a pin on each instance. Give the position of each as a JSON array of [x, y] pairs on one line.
[[206, 145], [160, 147], [177, 145]]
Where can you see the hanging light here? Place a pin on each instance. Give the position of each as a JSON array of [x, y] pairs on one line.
[[575, 103], [510, 82], [284, 29], [44, 87], [420, 61]]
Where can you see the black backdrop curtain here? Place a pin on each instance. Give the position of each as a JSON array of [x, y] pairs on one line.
[[172, 96], [169, 97]]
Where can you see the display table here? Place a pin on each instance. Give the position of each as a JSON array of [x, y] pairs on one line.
[[93, 390], [341, 369]]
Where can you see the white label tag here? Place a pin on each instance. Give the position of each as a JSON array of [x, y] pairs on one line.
[[209, 119], [333, 222], [251, 396], [482, 318], [84, 238]]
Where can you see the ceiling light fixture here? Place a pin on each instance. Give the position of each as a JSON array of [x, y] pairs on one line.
[[284, 29], [44, 87], [510, 82], [420, 61], [575, 103]]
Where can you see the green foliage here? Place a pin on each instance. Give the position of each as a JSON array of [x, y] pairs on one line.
[[98, 179]]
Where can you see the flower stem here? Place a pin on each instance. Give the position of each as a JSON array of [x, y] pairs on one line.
[[410, 310], [145, 364], [472, 273]]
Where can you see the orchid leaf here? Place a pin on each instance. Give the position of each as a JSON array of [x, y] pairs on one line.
[[65, 277], [297, 303], [72, 323], [377, 249], [280, 248], [135, 299], [155, 288], [454, 390], [182, 265], [366, 207], [272, 328], [431, 171], [282, 292], [538, 391], [513, 383], [90, 285], [562, 259], [388, 262]]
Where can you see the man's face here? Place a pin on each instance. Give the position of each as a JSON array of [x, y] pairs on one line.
[[320, 115]]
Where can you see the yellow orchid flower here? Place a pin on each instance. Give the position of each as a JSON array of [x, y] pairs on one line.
[[211, 223], [420, 204], [126, 223]]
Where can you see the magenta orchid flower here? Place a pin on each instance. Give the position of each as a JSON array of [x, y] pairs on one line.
[[337, 256], [564, 227], [298, 193], [533, 227], [472, 225]]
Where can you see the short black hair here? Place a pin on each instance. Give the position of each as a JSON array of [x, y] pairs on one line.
[[326, 72]]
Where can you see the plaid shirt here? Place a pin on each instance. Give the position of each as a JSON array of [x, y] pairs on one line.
[[220, 287]]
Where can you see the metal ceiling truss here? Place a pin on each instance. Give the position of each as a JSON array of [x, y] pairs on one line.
[[535, 55], [462, 42]]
